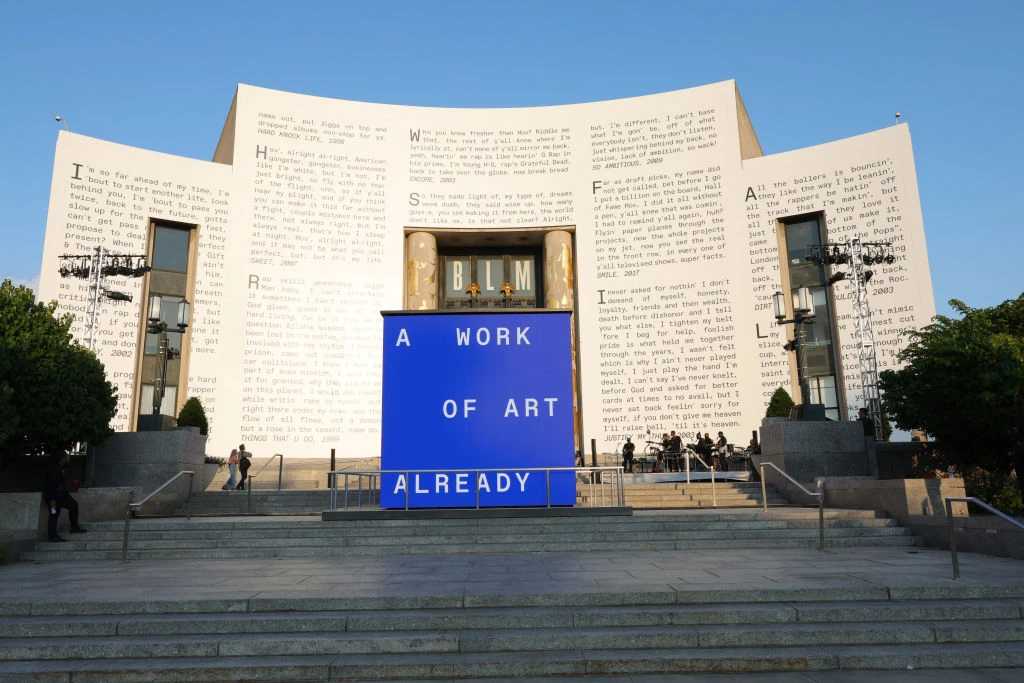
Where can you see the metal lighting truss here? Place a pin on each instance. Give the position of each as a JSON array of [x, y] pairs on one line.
[[857, 255], [94, 304], [96, 267], [865, 337]]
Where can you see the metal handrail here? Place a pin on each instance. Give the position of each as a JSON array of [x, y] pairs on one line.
[[688, 453], [820, 495], [250, 477], [952, 536], [134, 507], [618, 489]]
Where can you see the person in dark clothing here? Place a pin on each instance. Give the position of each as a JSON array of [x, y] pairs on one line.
[[243, 466], [869, 440], [628, 450], [56, 496], [674, 452], [722, 452], [866, 422]]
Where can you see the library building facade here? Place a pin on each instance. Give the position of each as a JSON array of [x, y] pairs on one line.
[[656, 221]]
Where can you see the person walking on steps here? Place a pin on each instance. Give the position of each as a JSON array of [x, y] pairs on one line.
[[243, 465], [232, 481], [56, 496]]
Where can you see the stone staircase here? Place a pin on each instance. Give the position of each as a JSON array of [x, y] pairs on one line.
[[515, 635], [680, 495], [260, 502], [280, 537], [664, 495]]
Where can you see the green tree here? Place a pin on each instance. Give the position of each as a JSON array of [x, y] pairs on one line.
[[193, 415], [53, 392], [780, 405], [959, 381]]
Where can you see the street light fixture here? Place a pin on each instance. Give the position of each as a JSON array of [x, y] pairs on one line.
[[803, 314], [156, 325]]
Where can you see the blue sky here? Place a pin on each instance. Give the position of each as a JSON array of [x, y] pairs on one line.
[[162, 77]]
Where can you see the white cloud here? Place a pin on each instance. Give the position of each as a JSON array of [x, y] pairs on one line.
[[32, 284]]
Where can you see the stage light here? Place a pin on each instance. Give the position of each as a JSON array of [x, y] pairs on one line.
[[868, 275], [836, 277]]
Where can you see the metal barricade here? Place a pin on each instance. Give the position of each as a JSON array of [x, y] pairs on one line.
[[603, 485]]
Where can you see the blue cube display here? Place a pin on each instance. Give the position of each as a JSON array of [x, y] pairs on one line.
[[472, 402]]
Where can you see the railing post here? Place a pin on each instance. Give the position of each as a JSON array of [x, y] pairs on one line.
[[248, 496], [764, 492], [124, 540], [332, 495], [188, 498], [280, 470], [687, 466], [547, 478], [952, 539], [714, 499], [476, 474], [821, 514]]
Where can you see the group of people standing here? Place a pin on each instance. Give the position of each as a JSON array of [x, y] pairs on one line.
[[238, 461], [670, 456]]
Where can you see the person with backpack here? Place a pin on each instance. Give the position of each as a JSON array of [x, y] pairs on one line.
[[244, 463]]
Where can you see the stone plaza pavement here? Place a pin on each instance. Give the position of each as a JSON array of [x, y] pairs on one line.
[[688, 573]]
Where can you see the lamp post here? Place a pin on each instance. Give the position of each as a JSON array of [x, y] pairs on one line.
[[803, 314], [156, 325]]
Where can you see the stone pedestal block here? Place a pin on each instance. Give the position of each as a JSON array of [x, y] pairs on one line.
[[901, 498], [806, 450], [145, 460]]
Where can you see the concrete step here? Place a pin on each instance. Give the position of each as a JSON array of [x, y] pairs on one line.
[[515, 635], [252, 539], [519, 664], [671, 637], [217, 538], [305, 551], [94, 625]]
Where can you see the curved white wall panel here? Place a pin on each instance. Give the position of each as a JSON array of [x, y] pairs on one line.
[[301, 244]]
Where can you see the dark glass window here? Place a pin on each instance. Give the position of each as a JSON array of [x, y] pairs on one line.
[[169, 315], [170, 249], [819, 358]]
